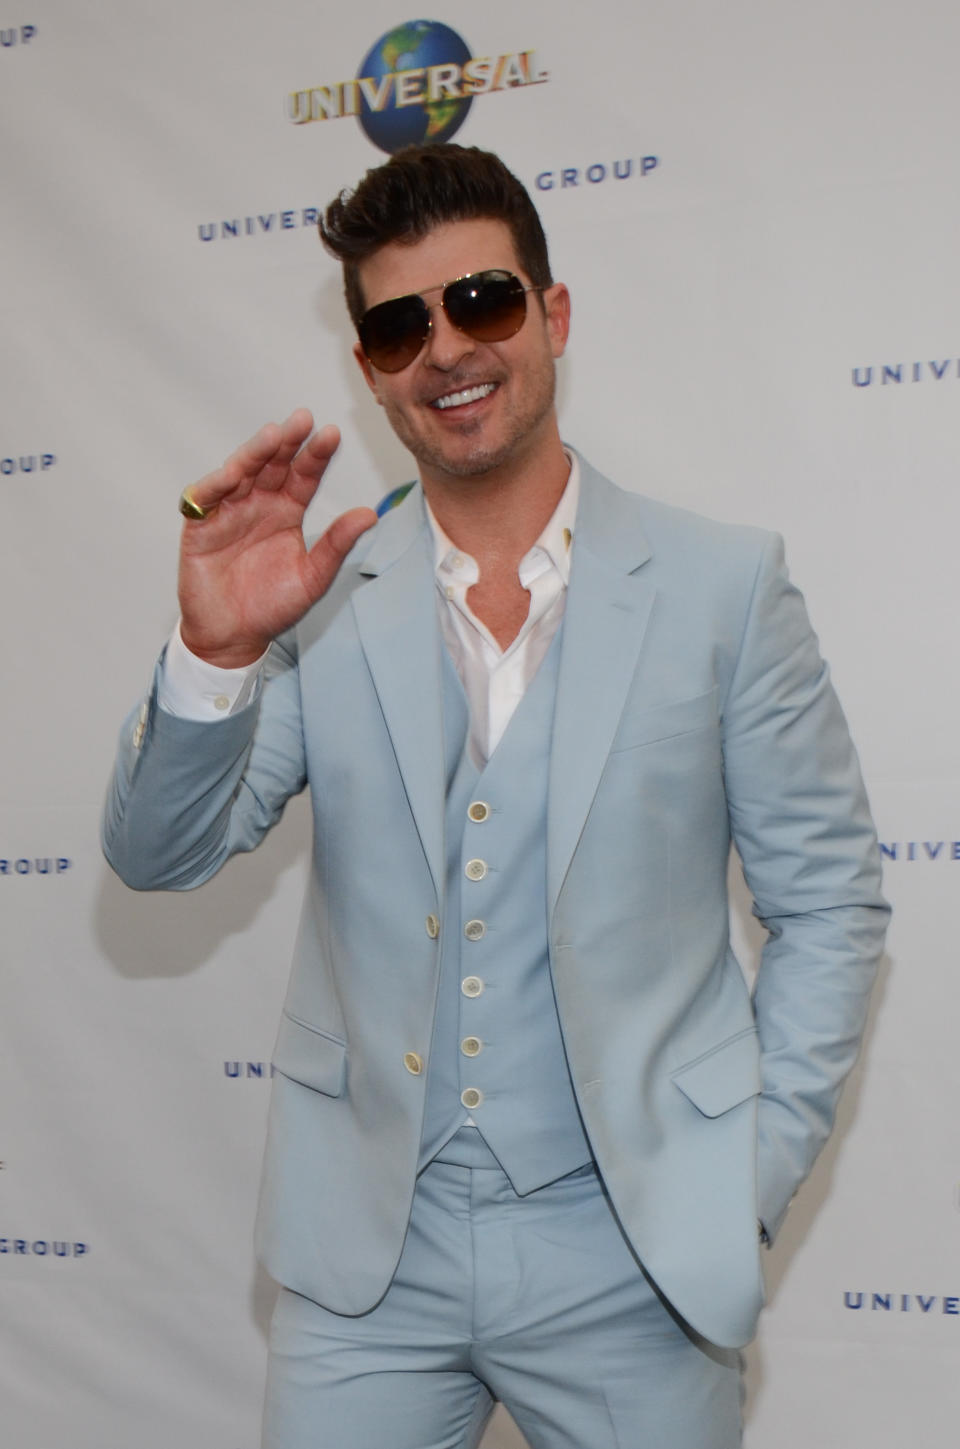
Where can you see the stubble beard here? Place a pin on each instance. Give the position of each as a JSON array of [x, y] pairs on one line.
[[457, 461]]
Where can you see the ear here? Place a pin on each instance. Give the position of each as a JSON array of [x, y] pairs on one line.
[[556, 302], [369, 376]]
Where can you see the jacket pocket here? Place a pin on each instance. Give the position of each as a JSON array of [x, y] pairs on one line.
[[310, 1056], [666, 722], [723, 1077]]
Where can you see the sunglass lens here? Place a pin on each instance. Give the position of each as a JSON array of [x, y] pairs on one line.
[[393, 333], [489, 306]]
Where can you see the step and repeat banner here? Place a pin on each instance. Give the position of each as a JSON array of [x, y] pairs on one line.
[[756, 209]]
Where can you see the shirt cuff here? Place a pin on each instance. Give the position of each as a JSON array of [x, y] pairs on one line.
[[193, 689]]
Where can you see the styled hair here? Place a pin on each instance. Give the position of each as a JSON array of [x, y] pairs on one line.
[[422, 187]]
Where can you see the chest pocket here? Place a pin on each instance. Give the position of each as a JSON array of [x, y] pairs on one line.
[[666, 721]]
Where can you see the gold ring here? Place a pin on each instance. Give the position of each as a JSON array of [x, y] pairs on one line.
[[190, 508]]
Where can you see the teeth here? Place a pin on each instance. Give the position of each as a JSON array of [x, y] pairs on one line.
[[469, 395]]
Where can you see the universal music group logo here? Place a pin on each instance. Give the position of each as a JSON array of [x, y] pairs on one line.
[[919, 1305], [891, 374], [42, 1248], [34, 865]]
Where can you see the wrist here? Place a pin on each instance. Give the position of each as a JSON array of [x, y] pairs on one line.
[[238, 655]]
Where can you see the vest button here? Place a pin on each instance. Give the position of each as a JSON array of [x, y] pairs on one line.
[[413, 1062], [474, 930], [475, 869], [471, 1046], [433, 926], [471, 986], [478, 811], [471, 1098]]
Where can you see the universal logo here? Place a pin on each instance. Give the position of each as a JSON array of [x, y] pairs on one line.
[[415, 85]]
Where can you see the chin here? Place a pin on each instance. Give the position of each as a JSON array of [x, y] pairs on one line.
[[474, 452], [473, 465]]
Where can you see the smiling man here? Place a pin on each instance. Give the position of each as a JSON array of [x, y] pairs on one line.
[[529, 1128], [476, 409]]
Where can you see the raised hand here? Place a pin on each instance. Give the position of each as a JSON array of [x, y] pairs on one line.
[[245, 571]]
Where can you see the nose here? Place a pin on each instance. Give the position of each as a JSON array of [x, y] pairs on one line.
[[446, 345]]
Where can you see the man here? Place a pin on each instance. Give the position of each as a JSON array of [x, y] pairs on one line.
[[527, 1127]]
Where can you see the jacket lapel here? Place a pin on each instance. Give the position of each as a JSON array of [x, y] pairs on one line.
[[608, 606], [607, 609], [396, 616]]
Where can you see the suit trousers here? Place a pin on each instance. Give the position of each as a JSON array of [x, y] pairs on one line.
[[535, 1301]]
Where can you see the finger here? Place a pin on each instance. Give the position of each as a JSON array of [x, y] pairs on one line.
[[327, 554], [265, 460], [262, 459], [310, 464], [280, 469], [294, 431], [319, 447]]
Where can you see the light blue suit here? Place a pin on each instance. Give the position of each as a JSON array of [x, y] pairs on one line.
[[691, 706]]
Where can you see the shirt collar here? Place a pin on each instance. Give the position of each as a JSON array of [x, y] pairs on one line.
[[556, 540]]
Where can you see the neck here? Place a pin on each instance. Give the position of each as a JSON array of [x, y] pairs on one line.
[[497, 516]]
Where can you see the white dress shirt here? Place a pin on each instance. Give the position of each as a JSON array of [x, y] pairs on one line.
[[494, 679]]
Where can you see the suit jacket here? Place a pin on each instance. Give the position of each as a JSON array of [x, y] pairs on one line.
[[692, 708]]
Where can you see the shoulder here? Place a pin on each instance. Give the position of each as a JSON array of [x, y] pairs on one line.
[[676, 539]]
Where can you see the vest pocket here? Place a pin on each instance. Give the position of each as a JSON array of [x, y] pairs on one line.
[[724, 1076], [310, 1056]]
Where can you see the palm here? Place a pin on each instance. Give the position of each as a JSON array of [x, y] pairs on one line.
[[245, 571]]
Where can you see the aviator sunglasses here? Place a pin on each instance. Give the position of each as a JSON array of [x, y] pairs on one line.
[[488, 306]]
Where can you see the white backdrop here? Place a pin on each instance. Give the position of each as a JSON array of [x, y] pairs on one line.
[[765, 328]]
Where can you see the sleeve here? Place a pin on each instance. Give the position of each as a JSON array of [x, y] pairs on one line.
[[801, 822], [187, 794], [193, 689]]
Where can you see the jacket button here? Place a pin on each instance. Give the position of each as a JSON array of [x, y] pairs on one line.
[[141, 725], [471, 986], [413, 1062], [474, 930], [471, 1046], [475, 869], [471, 1098], [478, 811], [433, 926]]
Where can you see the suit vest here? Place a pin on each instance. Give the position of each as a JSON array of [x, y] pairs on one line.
[[497, 1053]]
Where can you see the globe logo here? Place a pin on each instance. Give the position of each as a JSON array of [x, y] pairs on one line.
[[409, 114]]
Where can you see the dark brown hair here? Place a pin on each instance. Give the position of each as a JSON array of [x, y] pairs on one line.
[[422, 187]]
